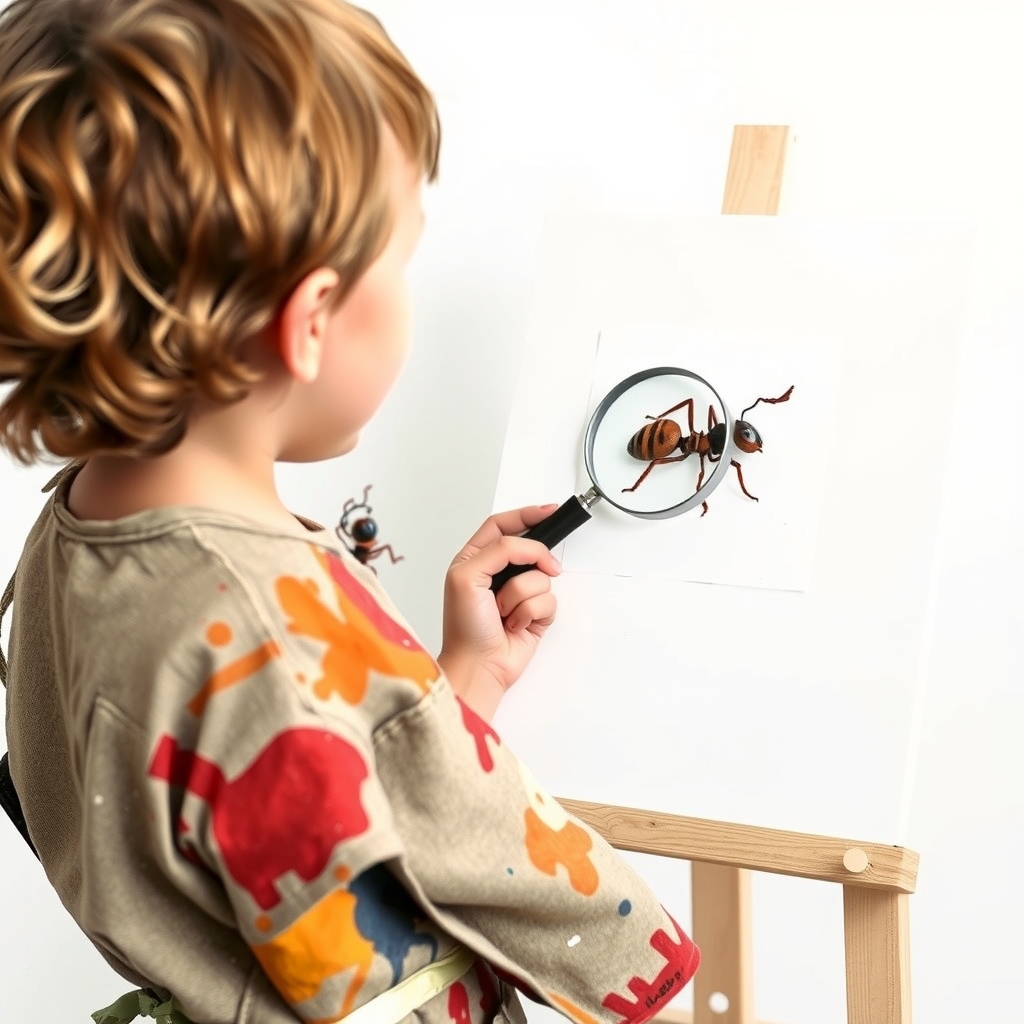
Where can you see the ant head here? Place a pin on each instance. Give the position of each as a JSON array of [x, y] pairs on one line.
[[746, 437], [350, 510], [364, 530]]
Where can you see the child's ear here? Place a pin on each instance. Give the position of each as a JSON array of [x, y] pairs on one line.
[[302, 324]]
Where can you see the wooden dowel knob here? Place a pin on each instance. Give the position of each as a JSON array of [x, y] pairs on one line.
[[855, 860]]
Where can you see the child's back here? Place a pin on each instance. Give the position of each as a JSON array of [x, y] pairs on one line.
[[249, 784], [196, 704]]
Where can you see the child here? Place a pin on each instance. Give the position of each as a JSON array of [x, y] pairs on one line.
[[252, 788]]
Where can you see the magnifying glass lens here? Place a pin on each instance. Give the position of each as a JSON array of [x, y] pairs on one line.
[[645, 452], [653, 449]]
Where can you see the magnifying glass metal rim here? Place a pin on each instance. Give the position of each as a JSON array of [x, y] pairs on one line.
[[718, 474], [574, 512]]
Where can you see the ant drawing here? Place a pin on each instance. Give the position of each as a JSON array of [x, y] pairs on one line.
[[655, 442], [357, 530]]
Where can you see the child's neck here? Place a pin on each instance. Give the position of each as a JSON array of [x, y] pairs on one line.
[[193, 474]]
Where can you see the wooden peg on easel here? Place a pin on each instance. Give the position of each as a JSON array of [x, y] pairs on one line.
[[855, 860]]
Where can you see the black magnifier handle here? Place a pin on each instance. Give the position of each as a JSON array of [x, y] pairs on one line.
[[569, 516]]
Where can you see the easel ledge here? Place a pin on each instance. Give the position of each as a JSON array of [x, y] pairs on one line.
[[892, 868], [876, 881]]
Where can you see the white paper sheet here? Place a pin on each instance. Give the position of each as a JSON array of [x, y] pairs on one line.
[[767, 543]]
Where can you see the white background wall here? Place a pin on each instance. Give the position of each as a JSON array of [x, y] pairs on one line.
[[900, 109]]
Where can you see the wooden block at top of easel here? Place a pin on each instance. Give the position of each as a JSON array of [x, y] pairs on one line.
[[757, 169]]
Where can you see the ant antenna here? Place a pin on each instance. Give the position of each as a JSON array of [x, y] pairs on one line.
[[770, 401], [351, 505]]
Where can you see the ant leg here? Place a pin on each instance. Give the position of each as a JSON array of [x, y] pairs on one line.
[[710, 458], [656, 462], [739, 473], [700, 475], [395, 559], [700, 478], [687, 403]]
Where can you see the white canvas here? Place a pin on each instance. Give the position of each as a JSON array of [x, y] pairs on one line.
[[675, 688]]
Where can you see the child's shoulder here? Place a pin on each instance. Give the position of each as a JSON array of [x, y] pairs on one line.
[[201, 551], [219, 614]]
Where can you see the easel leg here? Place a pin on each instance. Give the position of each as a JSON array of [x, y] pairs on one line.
[[721, 927], [877, 956]]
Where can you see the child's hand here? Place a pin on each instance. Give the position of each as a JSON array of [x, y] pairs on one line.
[[488, 639]]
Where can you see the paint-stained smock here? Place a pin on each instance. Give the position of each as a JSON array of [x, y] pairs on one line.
[[255, 791]]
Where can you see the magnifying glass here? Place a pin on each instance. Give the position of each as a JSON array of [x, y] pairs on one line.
[[653, 449]]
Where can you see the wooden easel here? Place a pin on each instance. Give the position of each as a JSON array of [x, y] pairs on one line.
[[876, 879]]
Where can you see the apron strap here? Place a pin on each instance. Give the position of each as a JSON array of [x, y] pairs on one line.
[[390, 1007], [9, 799], [395, 1004], [8, 597], [5, 604], [141, 1003], [8, 794], [11, 804]]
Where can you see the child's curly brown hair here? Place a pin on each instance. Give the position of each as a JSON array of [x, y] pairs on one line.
[[169, 171]]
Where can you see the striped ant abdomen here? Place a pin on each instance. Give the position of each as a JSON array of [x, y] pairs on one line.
[[655, 440]]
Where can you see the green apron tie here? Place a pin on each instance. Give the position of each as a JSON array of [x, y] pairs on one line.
[[141, 1003]]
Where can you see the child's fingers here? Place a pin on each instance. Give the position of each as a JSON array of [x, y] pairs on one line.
[[505, 524], [478, 569], [521, 588], [535, 614], [531, 515]]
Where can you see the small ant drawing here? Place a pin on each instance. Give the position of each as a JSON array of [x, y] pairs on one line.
[[656, 441], [360, 535]]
